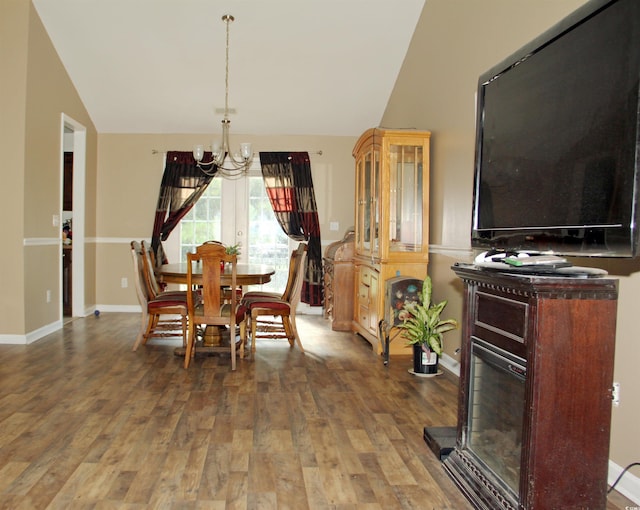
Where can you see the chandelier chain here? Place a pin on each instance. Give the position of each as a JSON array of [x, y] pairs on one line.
[[228, 19], [240, 163]]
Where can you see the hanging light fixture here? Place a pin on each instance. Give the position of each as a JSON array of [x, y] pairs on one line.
[[222, 159]]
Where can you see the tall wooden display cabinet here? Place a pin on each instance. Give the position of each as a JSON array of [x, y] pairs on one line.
[[392, 220]]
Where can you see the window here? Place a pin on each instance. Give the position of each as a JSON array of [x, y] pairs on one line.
[[203, 222], [268, 244], [252, 224]]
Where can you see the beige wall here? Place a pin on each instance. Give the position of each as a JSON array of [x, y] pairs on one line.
[[129, 176], [38, 91], [455, 41], [14, 19]]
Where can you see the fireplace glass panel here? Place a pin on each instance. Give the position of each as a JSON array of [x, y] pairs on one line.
[[496, 410]]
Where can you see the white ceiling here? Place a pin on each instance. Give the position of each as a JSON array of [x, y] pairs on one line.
[[297, 67]]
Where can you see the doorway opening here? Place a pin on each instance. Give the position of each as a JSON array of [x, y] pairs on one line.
[[72, 207]]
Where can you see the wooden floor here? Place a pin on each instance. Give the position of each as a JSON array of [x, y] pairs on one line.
[[85, 423]]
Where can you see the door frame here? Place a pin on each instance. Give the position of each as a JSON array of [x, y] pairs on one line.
[[76, 140]]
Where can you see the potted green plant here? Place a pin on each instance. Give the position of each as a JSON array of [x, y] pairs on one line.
[[233, 249], [424, 328]]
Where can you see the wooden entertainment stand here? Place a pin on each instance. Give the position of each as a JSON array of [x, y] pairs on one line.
[[562, 327]]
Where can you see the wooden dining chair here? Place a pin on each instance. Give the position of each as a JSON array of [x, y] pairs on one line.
[[294, 262], [154, 287], [213, 311], [269, 315], [226, 290], [162, 315]]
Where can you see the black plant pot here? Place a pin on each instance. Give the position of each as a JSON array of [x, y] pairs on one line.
[[424, 360]]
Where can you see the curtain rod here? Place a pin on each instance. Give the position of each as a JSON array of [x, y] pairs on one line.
[[316, 153]]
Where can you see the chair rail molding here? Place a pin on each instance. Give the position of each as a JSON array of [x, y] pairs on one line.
[[42, 241], [462, 252]]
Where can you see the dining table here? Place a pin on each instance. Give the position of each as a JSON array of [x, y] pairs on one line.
[[246, 274]]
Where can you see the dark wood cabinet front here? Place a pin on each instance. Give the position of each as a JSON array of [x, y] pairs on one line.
[[338, 283], [557, 337]]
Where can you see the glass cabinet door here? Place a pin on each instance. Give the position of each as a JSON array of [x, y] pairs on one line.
[[367, 198], [363, 206], [375, 204], [368, 207], [405, 198]]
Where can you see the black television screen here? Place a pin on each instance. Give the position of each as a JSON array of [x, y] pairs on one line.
[[557, 141]]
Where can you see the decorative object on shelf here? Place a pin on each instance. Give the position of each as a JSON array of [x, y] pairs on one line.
[[223, 161], [398, 291], [424, 329]]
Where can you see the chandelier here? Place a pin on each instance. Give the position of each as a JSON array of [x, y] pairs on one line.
[[222, 159]]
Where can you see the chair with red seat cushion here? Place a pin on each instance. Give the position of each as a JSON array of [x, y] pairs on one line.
[[294, 264], [214, 310], [281, 309], [225, 290], [154, 287], [162, 316]]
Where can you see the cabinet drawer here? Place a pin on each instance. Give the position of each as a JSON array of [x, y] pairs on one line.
[[365, 276], [363, 316], [363, 293], [501, 315]]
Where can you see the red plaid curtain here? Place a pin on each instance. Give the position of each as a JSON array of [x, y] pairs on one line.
[[287, 178], [183, 183]]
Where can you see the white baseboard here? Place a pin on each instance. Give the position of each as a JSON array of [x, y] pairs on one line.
[[628, 486], [39, 333], [118, 308], [305, 309], [13, 339], [32, 336], [452, 365]]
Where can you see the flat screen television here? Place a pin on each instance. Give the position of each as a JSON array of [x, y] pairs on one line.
[[557, 142]]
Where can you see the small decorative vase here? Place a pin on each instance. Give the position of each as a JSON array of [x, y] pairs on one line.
[[425, 361]]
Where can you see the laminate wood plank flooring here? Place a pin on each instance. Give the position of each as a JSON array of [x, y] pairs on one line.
[[85, 423]]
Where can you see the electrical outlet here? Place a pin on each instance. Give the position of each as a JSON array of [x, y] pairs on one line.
[[48, 296], [615, 394], [124, 283]]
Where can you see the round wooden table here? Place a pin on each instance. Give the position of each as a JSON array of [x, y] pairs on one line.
[[246, 274]]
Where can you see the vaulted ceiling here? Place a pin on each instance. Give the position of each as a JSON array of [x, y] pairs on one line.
[[297, 67]]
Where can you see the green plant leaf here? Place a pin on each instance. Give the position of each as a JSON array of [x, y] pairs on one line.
[[423, 325]]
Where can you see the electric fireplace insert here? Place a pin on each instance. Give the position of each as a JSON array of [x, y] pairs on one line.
[[534, 404]]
